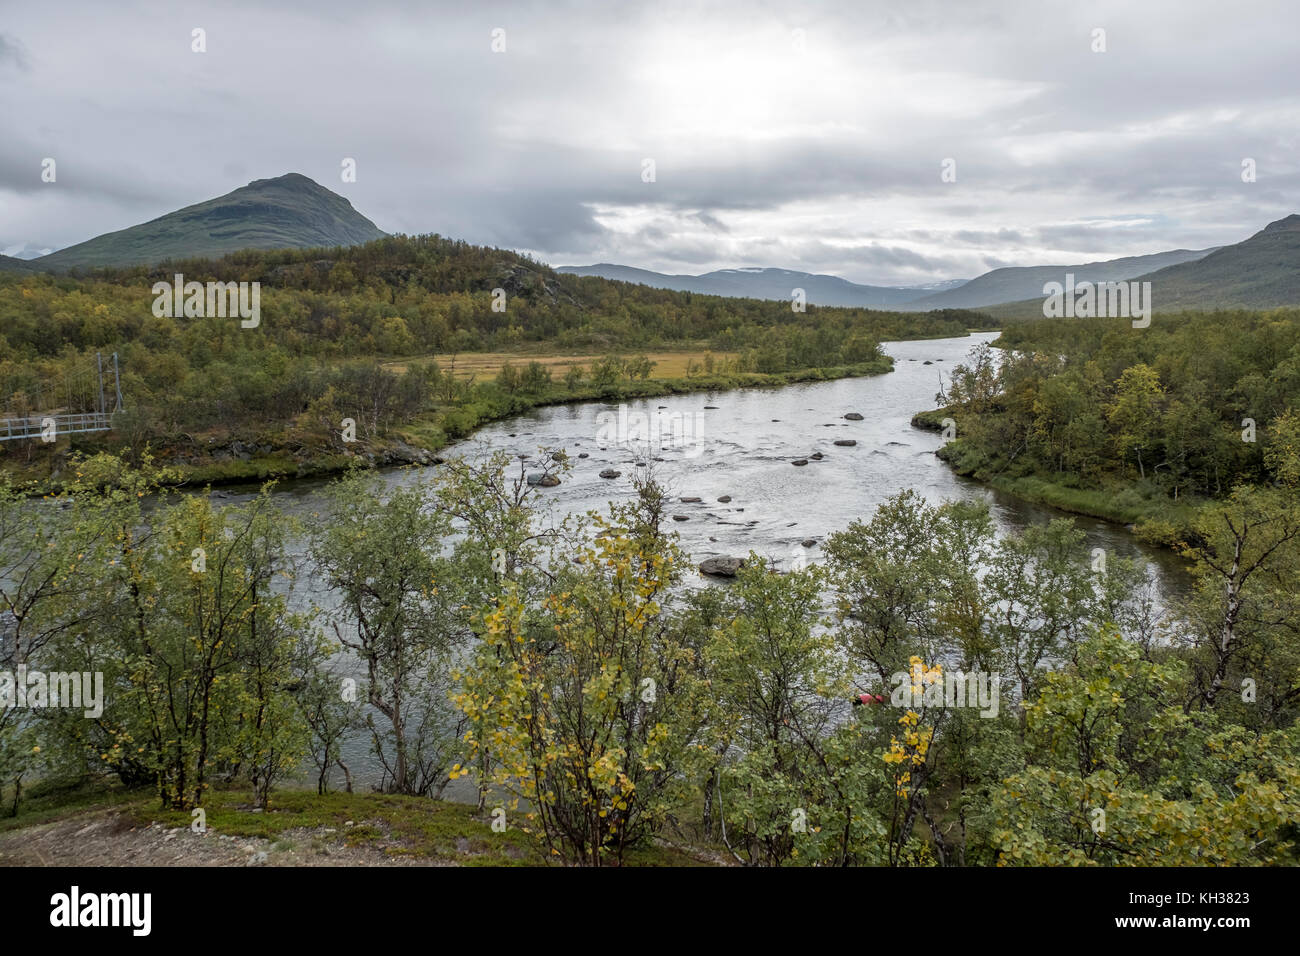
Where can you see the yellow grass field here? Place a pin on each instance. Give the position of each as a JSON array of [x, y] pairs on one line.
[[485, 365]]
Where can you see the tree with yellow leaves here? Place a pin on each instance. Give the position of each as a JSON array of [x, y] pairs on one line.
[[588, 699]]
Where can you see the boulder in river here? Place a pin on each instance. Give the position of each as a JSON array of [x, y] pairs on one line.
[[583, 454], [854, 416], [845, 442], [681, 517], [808, 542], [404, 454], [542, 480], [725, 499], [721, 567], [610, 473], [799, 462], [690, 501], [816, 456]]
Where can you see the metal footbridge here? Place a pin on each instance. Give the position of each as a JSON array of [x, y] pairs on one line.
[[85, 394]]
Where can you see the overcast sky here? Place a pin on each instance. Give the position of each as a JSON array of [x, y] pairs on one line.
[[809, 136]]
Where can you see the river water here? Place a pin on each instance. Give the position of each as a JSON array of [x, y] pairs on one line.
[[742, 443]]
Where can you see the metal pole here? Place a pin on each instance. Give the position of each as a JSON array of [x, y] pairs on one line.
[[99, 372], [117, 383]]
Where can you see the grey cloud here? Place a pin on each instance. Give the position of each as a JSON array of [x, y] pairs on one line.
[[12, 52], [713, 222]]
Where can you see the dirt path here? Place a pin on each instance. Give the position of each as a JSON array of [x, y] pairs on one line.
[[107, 838]]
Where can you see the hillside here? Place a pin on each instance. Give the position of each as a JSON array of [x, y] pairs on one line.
[[1015, 283], [774, 284], [1261, 272], [10, 264], [289, 211]]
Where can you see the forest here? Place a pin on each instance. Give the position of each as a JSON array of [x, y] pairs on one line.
[[1141, 425], [332, 318]]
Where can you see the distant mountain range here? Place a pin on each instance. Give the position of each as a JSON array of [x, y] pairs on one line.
[[27, 251], [289, 211], [292, 211], [1014, 283], [769, 284], [1262, 272]]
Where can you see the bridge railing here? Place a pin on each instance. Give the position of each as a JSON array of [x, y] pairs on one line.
[[33, 426]]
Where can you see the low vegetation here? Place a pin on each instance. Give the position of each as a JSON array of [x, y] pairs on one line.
[[1044, 711]]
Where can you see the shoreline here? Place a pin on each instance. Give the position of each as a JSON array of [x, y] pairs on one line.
[[1121, 506]]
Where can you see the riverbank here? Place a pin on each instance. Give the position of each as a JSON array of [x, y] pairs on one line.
[[1154, 518]]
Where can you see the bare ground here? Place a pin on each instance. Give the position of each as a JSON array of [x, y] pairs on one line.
[[106, 837]]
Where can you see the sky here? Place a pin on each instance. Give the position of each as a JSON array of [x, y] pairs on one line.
[[809, 136]]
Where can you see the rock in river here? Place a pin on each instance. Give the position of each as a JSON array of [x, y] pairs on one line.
[[542, 480], [854, 416], [610, 473], [722, 567]]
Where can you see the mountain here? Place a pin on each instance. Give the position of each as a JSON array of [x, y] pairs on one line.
[[1261, 272], [766, 284], [10, 264], [290, 211], [26, 251], [1015, 283]]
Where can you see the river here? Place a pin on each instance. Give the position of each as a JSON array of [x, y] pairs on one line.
[[742, 443]]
